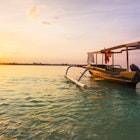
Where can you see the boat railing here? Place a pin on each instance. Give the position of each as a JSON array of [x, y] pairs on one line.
[[80, 66], [114, 69]]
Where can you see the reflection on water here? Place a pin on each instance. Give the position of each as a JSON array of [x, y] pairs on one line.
[[37, 102]]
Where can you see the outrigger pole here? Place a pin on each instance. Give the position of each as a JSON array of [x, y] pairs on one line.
[[77, 82]]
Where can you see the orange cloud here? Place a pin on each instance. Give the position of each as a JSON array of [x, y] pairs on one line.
[[33, 12]]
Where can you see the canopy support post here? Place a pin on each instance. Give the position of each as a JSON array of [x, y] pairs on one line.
[[96, 59], [127, 59], [113, 59]]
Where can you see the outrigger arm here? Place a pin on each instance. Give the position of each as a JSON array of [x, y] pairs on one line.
[[77, 82]]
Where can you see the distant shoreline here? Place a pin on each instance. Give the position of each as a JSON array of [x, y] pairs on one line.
[[39, 64]]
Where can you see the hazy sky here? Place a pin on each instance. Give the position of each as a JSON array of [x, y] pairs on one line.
[[63, 31]]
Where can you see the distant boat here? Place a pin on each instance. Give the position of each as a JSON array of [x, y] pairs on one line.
[[127, 76]]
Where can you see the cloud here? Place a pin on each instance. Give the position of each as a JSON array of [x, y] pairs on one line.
[[54, 19], [46, 23], [33, 12]]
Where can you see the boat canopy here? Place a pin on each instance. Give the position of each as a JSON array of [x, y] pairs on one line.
[[129, 46], [108, 52]]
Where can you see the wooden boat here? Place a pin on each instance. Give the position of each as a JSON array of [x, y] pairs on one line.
[[128, 76]]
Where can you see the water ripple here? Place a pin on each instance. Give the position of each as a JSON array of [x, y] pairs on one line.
[[38, 103]]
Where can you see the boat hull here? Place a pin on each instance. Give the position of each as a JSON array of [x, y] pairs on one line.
[[122, 77]]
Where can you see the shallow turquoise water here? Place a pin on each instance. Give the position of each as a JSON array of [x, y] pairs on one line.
[[38, 103]]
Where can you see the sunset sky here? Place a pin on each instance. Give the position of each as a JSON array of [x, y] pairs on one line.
[[63, 31]]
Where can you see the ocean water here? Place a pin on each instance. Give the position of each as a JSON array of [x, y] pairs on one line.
[[38, 103]]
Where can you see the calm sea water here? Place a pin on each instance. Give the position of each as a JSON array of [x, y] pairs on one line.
[[38, 103]]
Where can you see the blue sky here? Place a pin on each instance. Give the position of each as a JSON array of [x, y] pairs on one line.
[[63, 31]]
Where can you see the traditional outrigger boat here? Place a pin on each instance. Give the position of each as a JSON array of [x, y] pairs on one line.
[[129, 75]]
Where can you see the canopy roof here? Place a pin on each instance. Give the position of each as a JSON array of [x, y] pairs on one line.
[[124, 47], [116, 49]]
